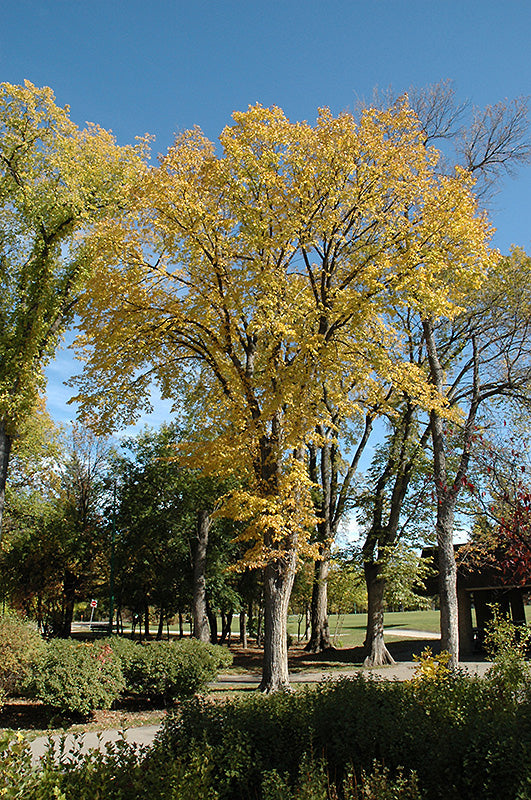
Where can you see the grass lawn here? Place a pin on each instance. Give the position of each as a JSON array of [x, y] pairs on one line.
[[349, 629]]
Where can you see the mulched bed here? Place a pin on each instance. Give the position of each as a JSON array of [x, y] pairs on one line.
[[21, 714]]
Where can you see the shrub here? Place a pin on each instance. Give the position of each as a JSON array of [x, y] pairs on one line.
[[125, 650], [507, 645], [169, 670], [15, 766], [247, 739], [124, 773], [78, 677], [456, 733], [431, 667], [379, 785], [21, 645]]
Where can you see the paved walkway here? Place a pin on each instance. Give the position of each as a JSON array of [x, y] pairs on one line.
[[401, 671], [144, 736], [65, 744]]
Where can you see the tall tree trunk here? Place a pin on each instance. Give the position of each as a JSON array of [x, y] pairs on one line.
[[212, 623], [278, 583], [5, 452], [448, 580], [199, 600], [389, 494], [330, 511], [376, 653], [448, 493], [243, 630], [320, 631], [226, 627], [250, 618], [146, 621], [279, 571], [259, 622], [160, 629], [446, 503]]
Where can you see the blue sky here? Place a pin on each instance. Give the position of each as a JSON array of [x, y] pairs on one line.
[[162, 66]]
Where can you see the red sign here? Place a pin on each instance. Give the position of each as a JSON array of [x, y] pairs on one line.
[[93, 603]]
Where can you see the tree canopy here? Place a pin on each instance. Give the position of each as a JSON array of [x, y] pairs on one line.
[[250, 278], [56, 181]]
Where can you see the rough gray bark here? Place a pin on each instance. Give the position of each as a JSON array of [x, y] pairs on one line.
[[278, 583], [278, 572], [5, 452], [377, 654], [446, 500], [199, 600], [447, 495], [320, 631], [447, 573]]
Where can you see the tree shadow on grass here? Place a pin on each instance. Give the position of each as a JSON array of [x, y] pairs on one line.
[[250, 660]]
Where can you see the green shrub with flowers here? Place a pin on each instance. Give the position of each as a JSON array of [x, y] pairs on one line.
[[78, 677], [21, 646], [170, 670]]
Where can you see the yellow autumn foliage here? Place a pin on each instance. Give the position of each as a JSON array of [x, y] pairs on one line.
[[56, 182], [244, 277]]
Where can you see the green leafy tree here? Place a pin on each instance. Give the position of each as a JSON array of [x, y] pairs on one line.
[[56, 182], [57, 550], [164, 508]]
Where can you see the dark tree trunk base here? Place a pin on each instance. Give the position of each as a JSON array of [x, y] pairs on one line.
[[320, 636], [321, 645], [379, 657], [274, 688]]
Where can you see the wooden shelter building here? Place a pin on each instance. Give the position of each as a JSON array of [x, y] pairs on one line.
[[479, 588]]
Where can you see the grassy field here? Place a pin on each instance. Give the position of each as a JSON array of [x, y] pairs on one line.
[[349, 629]]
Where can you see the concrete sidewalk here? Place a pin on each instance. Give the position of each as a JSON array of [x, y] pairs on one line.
[[401, 671], [143, 737], [66, 744]]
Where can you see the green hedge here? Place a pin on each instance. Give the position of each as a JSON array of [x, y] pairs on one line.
[[458, 734], [453, 737], [121, 773], [169, 670], [78, 677], [21, 646]]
